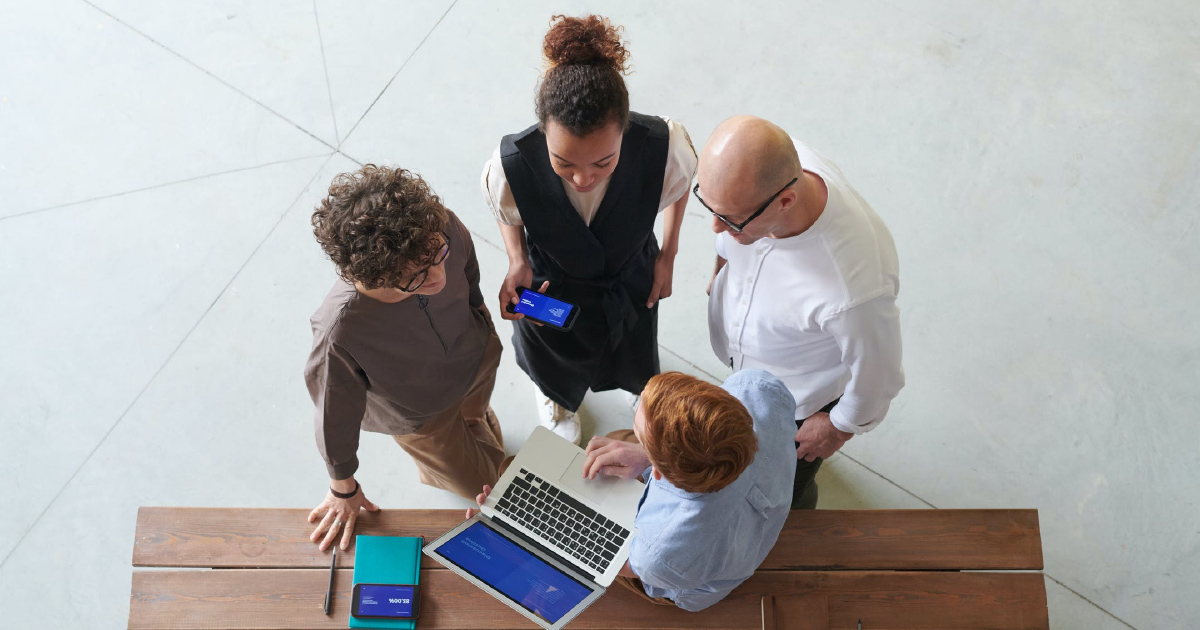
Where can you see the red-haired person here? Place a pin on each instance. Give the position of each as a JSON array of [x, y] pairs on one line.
[[402, 345], [718, 465], [576, 197]]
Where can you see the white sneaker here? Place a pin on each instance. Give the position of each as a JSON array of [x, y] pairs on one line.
[[558, 419], [633, 400]]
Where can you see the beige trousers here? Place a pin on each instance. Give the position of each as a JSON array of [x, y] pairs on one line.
[[462, 449]]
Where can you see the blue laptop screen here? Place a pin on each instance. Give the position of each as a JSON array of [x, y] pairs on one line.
[[525, 578]]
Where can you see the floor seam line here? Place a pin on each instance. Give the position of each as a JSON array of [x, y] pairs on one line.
[[164, 365], [347, 156], [163, 185], [693, 365], [209, 73], [401, 69], [1085, 598], [325, 65], [1043, 571], [881, 476]]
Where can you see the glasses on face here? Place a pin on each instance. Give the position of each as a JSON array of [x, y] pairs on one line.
[[738, 227], [420, 277]]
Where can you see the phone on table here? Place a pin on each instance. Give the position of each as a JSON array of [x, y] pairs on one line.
[[386, 601], [544, 309]]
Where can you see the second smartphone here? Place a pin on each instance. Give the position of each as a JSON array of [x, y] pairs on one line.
[[386, 601], [545, 309]]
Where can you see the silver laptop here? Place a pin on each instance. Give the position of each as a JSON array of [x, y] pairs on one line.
[[547, 540]]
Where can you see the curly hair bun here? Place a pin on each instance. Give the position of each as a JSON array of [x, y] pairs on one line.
[[587, 40]]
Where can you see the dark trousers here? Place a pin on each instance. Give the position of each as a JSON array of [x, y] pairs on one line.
[[804, 488]]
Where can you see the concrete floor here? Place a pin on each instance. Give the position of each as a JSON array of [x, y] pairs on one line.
[[1037, 163]]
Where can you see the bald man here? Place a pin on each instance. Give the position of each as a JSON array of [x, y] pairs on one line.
[[804, 287]]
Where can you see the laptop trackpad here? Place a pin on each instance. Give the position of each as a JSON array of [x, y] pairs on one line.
[[597, 490]]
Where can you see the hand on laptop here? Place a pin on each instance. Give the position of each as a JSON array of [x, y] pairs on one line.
[[480, 499], [614, 458]]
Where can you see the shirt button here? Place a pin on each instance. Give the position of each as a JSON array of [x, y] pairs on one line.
[[737, 324]]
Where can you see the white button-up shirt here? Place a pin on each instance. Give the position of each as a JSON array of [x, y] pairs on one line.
[[817, 310]]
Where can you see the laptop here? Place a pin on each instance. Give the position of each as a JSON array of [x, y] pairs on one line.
[[547, 541]]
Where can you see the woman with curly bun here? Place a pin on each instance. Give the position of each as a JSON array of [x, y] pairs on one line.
[[576, 196], [402, 345]]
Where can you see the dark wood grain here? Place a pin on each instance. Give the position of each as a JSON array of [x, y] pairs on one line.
[[811, 539], [909, 539], [795, 612], [267, 599]]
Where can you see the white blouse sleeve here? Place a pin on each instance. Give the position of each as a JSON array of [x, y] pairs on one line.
[[681, 164], [496, 192]]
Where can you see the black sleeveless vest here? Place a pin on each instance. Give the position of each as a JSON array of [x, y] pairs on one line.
[[607, 268]]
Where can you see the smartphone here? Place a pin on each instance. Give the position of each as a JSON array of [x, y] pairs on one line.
[[545, 309], [386, 601]]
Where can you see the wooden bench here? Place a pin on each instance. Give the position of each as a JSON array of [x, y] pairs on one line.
[[893, 569]]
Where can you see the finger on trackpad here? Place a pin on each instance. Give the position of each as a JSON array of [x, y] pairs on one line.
[[595, 489]]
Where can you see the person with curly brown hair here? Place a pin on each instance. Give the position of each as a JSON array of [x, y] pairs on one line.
[[402, 345], [576, 197]]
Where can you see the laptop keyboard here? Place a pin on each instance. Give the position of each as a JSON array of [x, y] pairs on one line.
[[573, 527]]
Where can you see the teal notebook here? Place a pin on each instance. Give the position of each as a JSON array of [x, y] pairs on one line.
[[386, 560]]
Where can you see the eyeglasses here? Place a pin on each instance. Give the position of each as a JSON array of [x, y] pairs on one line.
[[421, 276], [738, 227]]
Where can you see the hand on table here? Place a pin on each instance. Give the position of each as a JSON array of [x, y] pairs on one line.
[[338, 515], [614, 458], [480, 499], [818, 437]]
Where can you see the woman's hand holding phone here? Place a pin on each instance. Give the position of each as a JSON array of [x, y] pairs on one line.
[[519, 275], [507, 305]]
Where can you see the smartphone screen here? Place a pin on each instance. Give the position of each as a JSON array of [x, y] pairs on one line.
[[544, 308], [392, 601]]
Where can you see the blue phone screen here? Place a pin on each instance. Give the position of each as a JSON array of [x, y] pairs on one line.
[[377, 600], [526, 579], [544, 308]]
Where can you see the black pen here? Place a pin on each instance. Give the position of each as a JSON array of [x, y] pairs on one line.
[[329, 593]]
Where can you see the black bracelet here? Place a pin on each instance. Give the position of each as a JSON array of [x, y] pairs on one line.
[[345, 495]]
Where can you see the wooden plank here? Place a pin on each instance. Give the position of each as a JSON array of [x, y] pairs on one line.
[[795, 612], [927, 540], [811, 539], [269, 599]]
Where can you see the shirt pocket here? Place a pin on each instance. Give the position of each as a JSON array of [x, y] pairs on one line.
[[759, 501]]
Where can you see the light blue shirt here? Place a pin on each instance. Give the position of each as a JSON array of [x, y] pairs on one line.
[[697, 547]]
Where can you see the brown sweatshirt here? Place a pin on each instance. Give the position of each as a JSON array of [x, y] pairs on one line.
[[388, 368]]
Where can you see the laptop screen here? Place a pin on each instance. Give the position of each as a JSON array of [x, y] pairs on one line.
[[524, 578]]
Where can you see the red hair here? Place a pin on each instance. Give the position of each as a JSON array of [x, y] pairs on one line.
[[696, 434]]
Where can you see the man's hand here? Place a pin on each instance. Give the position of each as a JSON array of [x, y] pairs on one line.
[[664, 270], [519, 275], [818, 437], [615, 459], [480, 499], [338, 515]]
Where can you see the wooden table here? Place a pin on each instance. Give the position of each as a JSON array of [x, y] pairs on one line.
[[893, 569]]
